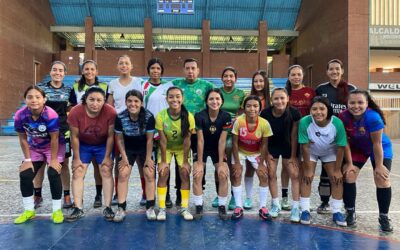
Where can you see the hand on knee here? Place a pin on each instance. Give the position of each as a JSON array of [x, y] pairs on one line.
[[223, 174], [106, 171]]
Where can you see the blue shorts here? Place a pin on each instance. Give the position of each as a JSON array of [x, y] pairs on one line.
[[88, 152]]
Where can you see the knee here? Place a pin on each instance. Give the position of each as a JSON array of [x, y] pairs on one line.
[[148, 174], [222, 174], [294, 175], [27, 175], [351, 177], [52, 173], [185, 174], [123, 175], [272, 175], [380, 182], [106, 171], [164, 174]]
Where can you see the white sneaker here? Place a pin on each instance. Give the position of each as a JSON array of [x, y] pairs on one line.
[[120, 215], [151, 214], [186, 214], [161, 214]]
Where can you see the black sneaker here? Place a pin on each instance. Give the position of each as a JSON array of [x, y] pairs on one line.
[[350, 217], [168, 202], [385, 223], [222, 213], [237, 213], [76, 214], [108, 214], [324, 208], [199, 212], [97, 202]]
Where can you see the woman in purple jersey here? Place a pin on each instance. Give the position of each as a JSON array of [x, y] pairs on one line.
[[38, 131]]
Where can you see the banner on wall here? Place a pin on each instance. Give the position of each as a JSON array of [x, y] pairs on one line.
[[384, 36], [385, 86]]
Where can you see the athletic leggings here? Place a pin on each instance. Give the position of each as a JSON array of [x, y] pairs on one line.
[[26, 181]]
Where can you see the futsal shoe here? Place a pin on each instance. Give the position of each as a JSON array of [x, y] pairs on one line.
[[324, 208], [151, 214], [25, 216], [305, 217], [285, 204], [119, 215], [57, 216], [186, 214], [264, 213], [384, 221], [350, 217], [295, 215], [215, 202], [76, 214], [339, 219], [232, 203], [97, 202], [275, 210], [67, 202], [168, 202], [248, 204], [222, 213], [108, 214], [162, 215], [37, 201], [142, 202], [199, 213], [237, 213]]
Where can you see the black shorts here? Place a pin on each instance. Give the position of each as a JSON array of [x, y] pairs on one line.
[[386, 162], [284, 151], [135, 156], [214, 157]]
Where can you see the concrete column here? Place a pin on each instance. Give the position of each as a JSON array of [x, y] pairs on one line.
[[205, 48], [89, 38], [148, 41], [357, 45], [262, 45]]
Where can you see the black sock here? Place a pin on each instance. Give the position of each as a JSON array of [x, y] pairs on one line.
[[66, 193], [284, 192], [38, 191], [384, 196], [150, 204], [122, 205], [98, 190], [349, 195]]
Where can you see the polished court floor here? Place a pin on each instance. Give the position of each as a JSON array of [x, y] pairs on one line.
[[93, 232]]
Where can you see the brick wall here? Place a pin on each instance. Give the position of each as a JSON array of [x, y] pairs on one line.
[[25, 38]]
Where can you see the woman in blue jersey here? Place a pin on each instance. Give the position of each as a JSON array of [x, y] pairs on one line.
[[322, 137], [364, 123]]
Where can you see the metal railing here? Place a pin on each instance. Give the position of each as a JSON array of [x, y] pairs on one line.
[[391, 102]]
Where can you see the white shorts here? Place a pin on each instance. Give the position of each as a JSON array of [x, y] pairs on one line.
[[253, 159], [323, 158]]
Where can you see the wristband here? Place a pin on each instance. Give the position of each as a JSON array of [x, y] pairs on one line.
[[28, 160]]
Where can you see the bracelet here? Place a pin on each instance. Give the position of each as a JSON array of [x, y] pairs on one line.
[[27, 160]]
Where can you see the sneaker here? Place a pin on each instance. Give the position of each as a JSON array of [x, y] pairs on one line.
[[186, 214], [97, 202], [37, 200], [178, 202], [237, 213], [285, 205], [215, 202], [339, 219], [324, 208], [142, 202], [57, 216], [384, 221], [76, 214], [248, 204], [162, 215], [25, 216], [275, 210], [350, 217], [222, 213], [264, 214], [305, 217], [168, 202], [67, 202], [199, 212], [119, 215], [232, 203], [114, 200], [151, 214], [108, 214], [295, 215]]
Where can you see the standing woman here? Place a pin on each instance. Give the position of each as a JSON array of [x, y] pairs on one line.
[[212, 125], [337, 91], [322, 136], [38, 130], [364, 123], [57, 98], [155, 100], [117, 90], [300, 97], [284, 121], [233, 100], [89, 79], [92, 134], [260, 88], [250, 146], [174, 126], [134, 128]]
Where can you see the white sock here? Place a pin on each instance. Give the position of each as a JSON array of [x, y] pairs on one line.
[[198, 200], [295, 204], [237, 193], [222, 200], [263, 195], [336, 205], [248, 184], [28, 202], [56, 205], [305, 204], [275, 201]]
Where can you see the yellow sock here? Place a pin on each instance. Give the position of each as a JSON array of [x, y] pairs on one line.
[[185, 198], [162, 195]]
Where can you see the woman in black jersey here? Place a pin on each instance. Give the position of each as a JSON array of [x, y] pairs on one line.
[[212, 125], [284, 123]]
